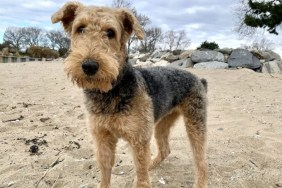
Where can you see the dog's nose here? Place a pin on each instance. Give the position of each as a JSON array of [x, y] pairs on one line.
[[90, 67]]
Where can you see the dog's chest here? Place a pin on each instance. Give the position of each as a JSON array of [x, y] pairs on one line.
[[107, 104]]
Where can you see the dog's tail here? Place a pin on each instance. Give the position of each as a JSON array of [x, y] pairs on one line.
[[205, 84]]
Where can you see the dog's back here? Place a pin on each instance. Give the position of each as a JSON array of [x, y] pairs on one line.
[[169, 86]]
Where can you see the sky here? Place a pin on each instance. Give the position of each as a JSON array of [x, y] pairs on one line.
[[211, 20]]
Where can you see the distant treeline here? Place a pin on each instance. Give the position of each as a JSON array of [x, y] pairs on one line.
[[35, 42]]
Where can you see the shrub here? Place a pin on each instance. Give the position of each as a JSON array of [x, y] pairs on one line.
[[209, 45], [42, 52]]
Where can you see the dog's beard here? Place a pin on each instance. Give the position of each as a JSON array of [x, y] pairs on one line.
[[106, 75]]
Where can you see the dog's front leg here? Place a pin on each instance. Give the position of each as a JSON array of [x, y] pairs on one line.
[[141, 155], [105, 154]]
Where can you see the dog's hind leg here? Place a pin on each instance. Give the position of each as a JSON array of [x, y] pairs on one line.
[[195, 121], [162, 131]]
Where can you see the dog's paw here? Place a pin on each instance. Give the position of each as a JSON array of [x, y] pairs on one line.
[[103, 186], [154, 163], [143, 184], [200, 185]]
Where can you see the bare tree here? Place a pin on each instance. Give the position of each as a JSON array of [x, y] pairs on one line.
[[64, 45], [176, 39], [182, 41], [32, 36], [153, 35], [260, 44], [14, 36], [53, 36], [144, 22], [58, 39], [121, 3], [143, 19], [170, 38], [240, 27], [263, 44]]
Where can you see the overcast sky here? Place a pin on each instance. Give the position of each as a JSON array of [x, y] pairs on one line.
[[211, 20]]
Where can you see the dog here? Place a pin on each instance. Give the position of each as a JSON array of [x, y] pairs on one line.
[[129, 102]]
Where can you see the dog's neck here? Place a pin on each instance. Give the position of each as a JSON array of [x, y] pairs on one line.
[[125, 70], [118, 98]]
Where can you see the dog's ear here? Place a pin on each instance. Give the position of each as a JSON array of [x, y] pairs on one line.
[[130, 23], [67, 14]]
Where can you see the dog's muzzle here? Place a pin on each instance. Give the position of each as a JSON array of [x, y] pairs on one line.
[[90, 67]]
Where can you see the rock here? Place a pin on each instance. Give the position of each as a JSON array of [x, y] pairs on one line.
[[155, 60], [172, 58], [243, 58], [162, 63], [211, 65], [132, 61], [257, 53], [272, 67], [270, 56], [132, 55], [158, 54], [182, 63], [165, 55], [143, 64], [226, 57], [186, 54], [176, 52], [224, 51], [206, 56], [142, 57], [34, 149]]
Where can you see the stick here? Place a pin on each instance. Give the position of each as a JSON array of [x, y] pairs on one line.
[[53, 164]]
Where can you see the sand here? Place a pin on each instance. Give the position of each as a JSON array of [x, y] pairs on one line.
[[42, 112]]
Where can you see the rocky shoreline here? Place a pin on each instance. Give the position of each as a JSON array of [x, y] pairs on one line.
[[226, 58]]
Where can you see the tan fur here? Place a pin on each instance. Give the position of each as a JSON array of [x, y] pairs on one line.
[[136, 128], [135, 125], [93, 44]]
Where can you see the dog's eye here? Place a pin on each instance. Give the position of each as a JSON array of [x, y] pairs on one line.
[[81, 30], [110, 33]]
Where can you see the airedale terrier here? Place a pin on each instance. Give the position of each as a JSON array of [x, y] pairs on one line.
[[124, 101]]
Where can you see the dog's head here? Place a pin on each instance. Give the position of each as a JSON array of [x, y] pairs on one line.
[[98, 42]]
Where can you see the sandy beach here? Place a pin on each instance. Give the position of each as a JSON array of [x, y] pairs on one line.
[[44, 141]]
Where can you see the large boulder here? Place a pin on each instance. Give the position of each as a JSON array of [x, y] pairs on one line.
[[226, 51], [243, 58], [170, 57], [155, 60], [141, 57], [132, 61], [211, 65], [270, 56], [165, 55], [144, 57], [176, 52], [158, 54], [182, 63], [186, 54], [272, 67], [143, 64], [206, 56], [161, 63]]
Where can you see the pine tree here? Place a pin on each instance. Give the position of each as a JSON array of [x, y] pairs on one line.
[[264, 14]]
